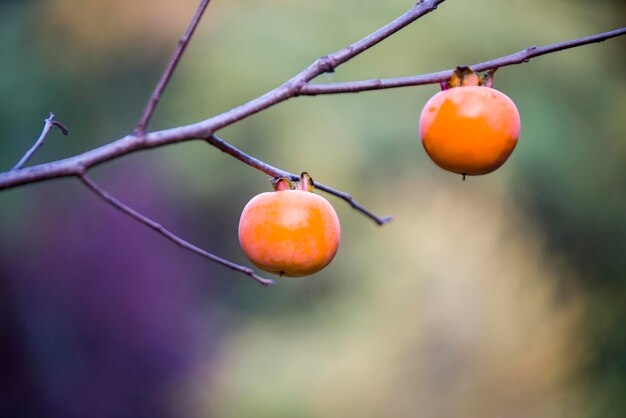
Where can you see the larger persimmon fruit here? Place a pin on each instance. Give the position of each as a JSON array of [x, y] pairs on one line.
[[291, 231], [469, 128]]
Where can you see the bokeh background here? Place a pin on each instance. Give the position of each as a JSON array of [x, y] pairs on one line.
[[499, 296]]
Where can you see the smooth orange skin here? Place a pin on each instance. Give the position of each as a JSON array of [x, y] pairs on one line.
[[469, 130], [290, 232]]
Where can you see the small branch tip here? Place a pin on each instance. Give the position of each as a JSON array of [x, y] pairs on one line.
[[62, 127], [47, 125], [264, 282]]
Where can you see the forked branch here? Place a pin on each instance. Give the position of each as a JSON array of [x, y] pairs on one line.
[[136, 142], [140, 141], [518, 58], [47, 126]]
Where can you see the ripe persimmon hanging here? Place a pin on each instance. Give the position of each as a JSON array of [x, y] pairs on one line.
[[469, 128], [291, 231]]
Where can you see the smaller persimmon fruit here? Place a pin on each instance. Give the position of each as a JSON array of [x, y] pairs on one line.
[[290, 231], [469, 128]]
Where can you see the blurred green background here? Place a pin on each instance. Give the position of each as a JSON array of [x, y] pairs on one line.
[[499, 296]]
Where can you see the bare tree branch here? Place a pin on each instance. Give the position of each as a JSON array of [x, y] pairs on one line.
[[133, 142], [47, 125], [441, 76], [298, 85], [277, 172], [93, 186], [169, 69]]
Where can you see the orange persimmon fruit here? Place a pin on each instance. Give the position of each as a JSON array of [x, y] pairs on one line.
[[469, 128], [290, 231]]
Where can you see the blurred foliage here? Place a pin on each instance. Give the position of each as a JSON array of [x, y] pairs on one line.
[[499, 296]]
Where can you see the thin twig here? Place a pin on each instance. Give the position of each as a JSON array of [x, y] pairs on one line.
[[440, 76], [169, 70], [93, 186], [47, 125], [277, 172], [348, 198]]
